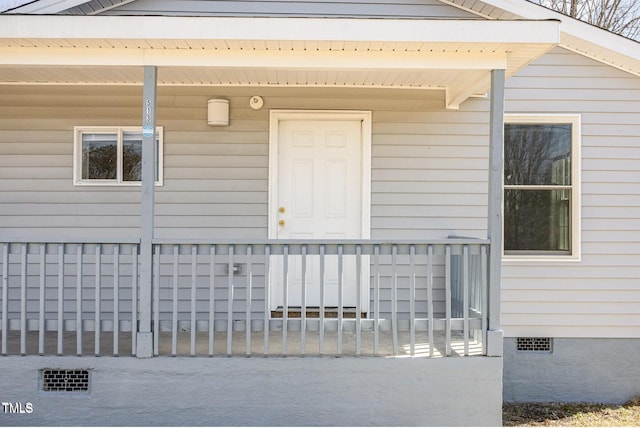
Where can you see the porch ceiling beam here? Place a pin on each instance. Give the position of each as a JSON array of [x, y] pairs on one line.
[[216, 28], [294, 60], [457, 94]]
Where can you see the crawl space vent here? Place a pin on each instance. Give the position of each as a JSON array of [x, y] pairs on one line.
[[67, 380], [533, 344]]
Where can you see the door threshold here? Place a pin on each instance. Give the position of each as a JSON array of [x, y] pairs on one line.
[[314, 312]]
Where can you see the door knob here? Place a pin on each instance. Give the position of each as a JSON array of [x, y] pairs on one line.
[[281, 223], [282, 210]]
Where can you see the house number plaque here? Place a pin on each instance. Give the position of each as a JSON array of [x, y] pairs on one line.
[[147, 129]]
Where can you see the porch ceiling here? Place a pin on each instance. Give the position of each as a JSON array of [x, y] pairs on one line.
[[454, 56]]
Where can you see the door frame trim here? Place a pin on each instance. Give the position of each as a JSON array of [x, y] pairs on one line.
[[274, 121]]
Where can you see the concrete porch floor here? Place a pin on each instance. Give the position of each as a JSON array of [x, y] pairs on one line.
[[294, 344]]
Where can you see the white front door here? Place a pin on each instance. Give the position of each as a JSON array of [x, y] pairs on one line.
[[319, 195]]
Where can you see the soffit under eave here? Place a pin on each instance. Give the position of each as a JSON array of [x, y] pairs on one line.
[[605, 56], [383, 71], [419, 57]]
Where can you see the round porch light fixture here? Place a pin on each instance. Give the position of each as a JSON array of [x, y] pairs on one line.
[[218, 112]]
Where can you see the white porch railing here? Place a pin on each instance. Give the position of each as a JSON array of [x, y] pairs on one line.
[[342, 297]]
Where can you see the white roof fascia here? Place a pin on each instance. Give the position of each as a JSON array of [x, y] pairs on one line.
[[576, 35], [47, 6], [310, 29]]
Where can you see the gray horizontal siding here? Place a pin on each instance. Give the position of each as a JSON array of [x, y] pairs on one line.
[[280, 8], [597, 296], [428, 181], [428, 165]]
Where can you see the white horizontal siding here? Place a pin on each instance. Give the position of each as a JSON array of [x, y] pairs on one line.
[[309, 8], [600, 295]]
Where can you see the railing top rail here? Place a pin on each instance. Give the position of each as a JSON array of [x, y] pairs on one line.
[[167, 241], [100, 240], [451, 241]]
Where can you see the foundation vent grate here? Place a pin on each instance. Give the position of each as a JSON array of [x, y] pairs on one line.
[[534, 344], [68, 380]]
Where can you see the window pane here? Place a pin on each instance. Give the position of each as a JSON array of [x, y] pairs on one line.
[[132, 156], [537, 220], [99, 152], [537, 154]]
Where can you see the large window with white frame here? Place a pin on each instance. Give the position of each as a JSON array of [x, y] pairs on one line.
[[541, 186], [112, 155]]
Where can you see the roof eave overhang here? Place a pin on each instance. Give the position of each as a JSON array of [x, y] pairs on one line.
[[451, 55], [575, 35], [46, 6]]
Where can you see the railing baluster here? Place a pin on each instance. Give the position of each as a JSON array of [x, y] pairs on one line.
[[376, 297], [79, 300], [465, 297], [358, 299], [134, 298], [212, 298], [116, 299], [394, 298], [230, 304], [322, 304], [43, 279], [156, 300], [194, 266], [267, 296], [174, 312], [60, 337], [447, 285], [483, 296], [5, 293], [303, 309], [23, 301], [465, 284], [97, 299], [285, 296], [248, 297], [340, 296], [412, 298], [430, 297]]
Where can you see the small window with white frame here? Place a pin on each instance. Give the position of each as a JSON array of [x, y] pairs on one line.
[[541, 187], [112, 155]]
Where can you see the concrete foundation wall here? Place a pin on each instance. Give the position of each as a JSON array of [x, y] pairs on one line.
[[260, 392], [589, 370]]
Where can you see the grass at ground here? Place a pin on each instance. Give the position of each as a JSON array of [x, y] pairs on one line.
[[572, 414]]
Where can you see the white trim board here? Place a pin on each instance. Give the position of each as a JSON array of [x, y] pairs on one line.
[[277, 29]]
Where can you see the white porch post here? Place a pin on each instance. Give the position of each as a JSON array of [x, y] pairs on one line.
[[144, 334], [494, 230]]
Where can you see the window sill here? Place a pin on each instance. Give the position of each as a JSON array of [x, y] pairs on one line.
[[539, 259], [113, 184]]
